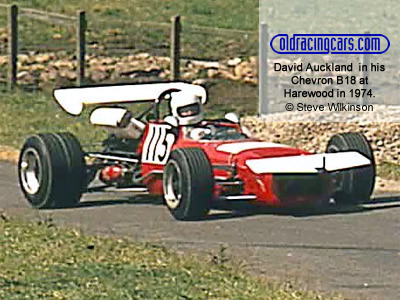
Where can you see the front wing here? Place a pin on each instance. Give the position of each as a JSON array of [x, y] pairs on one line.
[[308, 164]]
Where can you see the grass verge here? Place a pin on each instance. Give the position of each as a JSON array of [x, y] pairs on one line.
[[24, 114], [42, 261]]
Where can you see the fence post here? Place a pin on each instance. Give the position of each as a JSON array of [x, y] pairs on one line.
[[13, 46], [365, 73], [263, 70], [175, 48], [81, 48]]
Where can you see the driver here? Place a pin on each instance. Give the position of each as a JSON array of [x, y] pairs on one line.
[[186, 108]]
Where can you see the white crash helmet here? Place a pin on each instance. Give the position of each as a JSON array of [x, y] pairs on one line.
[[186, 107]]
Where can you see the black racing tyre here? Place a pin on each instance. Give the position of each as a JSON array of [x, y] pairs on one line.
[[355, 185], [48, 169], [76, 166], [188, 184]]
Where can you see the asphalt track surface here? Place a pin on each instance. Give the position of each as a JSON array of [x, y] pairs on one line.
[[351, 250]]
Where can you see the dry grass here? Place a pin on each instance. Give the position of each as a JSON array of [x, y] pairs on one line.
[[41, 261]]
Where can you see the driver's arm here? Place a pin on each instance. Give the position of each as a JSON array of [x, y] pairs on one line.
[[131, 127], [138, 124]]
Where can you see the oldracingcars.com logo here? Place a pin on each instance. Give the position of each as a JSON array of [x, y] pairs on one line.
[[330, 43]]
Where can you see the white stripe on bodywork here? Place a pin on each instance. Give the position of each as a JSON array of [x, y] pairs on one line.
[[73, 99], [310, 164], [235, 148]]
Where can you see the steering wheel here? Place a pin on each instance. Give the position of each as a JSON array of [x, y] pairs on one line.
[[213, 131], [222, 134]]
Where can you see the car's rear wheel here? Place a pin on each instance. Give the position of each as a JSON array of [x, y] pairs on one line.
[[188, 184], [355, 185], [51, 170]]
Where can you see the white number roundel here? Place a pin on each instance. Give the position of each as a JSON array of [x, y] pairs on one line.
[[158, 143]]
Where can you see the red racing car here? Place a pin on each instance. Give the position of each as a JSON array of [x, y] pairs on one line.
[[189, 160]]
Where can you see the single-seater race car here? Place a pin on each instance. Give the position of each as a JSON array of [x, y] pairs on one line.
[[189, 160]]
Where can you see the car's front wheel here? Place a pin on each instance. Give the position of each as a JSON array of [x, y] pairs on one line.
[[355, 185], [51, 170], [188, 184]]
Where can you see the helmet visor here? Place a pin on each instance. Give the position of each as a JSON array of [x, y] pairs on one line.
[[189, 110]]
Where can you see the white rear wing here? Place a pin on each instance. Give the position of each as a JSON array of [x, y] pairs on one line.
[[308, 164], [72, 100]]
